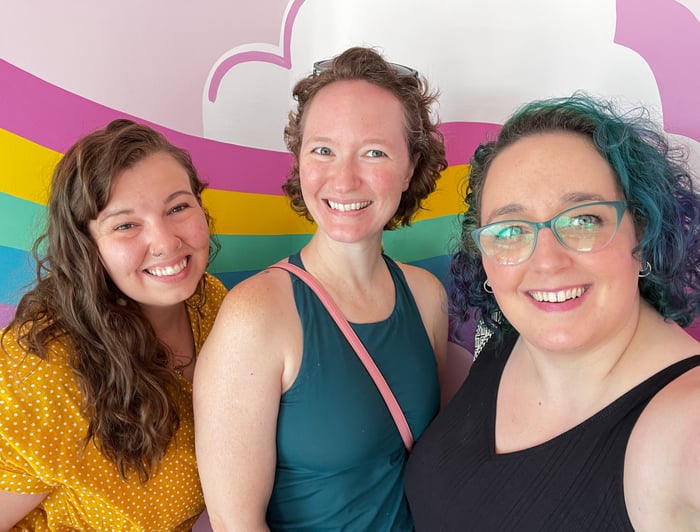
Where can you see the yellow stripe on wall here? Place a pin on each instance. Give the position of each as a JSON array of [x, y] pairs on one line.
[[26, 167], [242, 213]]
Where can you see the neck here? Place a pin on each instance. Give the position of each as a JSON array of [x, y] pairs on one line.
[[165, 319], [355, 276], [355, 264]]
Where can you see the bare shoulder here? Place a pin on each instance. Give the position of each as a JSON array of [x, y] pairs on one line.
[[257, 296], [258, 316], [675, 411], [422, 282], [663, 455]]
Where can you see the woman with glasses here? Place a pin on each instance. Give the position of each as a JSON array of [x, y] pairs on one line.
[[292, 433], [580, 251]]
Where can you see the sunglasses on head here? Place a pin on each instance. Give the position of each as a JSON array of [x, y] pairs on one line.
[[401, 70]]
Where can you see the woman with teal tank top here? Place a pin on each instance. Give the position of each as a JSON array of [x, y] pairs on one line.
[[291, 431]]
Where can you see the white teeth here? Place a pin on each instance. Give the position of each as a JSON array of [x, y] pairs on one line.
[[345, 207], [559, 296], [168, 270]]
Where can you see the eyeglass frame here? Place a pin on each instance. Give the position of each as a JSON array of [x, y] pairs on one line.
[[620, 207], [400, 70]]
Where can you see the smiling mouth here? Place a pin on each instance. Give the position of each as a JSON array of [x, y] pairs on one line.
[[347, 207], [169, 270], [557, 297]]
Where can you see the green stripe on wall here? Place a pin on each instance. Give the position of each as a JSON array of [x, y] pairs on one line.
[[21, 221]]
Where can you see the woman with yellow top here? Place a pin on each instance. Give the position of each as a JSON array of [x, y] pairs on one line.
[[96, 431]]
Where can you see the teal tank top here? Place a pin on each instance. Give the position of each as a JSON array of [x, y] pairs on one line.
[[340, 457]]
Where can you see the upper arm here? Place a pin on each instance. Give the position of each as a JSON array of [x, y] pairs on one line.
[[15, 506], [662, 464], [237, 390], [689, 457]]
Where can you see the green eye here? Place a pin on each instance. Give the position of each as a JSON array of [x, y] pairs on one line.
[[581, 222], [507, 232], [587, 220]]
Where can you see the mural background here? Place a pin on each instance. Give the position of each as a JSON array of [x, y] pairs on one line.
[[215, 77]]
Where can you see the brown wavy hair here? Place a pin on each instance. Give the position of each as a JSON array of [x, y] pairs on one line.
[[130, 392], [425, 142]]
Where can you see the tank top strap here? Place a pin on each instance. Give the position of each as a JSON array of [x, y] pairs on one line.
[[645, 391]]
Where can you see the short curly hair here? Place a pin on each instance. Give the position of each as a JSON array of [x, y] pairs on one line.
[[654, 178], [425, 142]]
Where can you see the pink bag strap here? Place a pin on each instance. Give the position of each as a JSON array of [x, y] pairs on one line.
[[384, 389]]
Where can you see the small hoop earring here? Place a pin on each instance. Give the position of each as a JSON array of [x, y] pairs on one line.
[[487, 287], [644, 272]]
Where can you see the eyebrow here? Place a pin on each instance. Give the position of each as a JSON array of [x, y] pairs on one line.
[[168, 199], [517, 208], [364, 141]]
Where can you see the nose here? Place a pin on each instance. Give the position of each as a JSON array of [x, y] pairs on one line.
[[549, 253], [345, 176], [163, 241]]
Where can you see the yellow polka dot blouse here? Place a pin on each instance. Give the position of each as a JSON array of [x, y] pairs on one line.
[[42, 448]]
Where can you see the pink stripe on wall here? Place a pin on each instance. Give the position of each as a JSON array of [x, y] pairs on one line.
[[55, 118], [667, 35]]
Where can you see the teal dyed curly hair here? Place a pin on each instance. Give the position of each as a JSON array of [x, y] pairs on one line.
[[654, 178]]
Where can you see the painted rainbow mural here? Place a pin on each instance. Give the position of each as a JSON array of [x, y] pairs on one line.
[[253, 221], [40, 120]]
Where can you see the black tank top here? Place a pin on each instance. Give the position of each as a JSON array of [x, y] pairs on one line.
[[456, 481]]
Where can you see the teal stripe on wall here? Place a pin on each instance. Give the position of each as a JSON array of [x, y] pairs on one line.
[[22, 221]]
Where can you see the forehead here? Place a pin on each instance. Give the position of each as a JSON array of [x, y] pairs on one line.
[[355, 102], [546, 168], [158, 171]]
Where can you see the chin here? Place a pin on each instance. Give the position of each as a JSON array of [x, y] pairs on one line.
[[559, 344]]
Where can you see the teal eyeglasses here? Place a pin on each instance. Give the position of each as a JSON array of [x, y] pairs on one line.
[[584, 228]]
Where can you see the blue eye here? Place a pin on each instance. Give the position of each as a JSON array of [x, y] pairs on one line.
[[323, 150], [376, 153]]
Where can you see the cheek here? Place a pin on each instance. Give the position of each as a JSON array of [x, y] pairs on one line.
[[119, 256], [309, 176], [199, 234], [497, 275], [504, 281]]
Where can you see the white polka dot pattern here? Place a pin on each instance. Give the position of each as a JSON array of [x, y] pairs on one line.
[[42, 432]]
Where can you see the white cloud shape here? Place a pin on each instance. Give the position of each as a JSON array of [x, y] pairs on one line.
[[485, 57]]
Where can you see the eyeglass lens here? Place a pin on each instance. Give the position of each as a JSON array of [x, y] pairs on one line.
[[585, 228]]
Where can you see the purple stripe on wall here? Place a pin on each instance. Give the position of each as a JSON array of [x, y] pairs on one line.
[[6, 314]]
